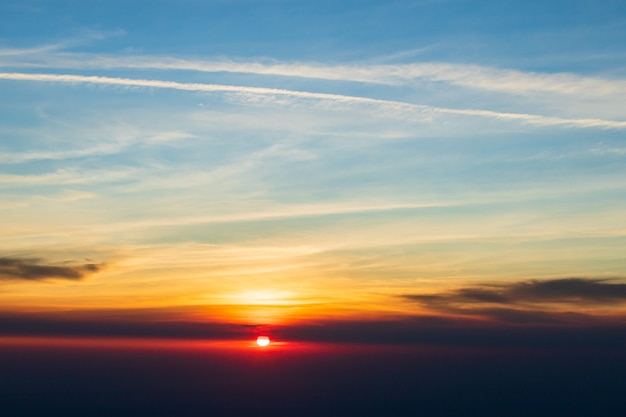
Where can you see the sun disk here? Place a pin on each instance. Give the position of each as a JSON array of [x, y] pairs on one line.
[[263, 340]]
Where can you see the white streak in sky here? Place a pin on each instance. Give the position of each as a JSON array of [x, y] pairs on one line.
[[338, 98], [464, 75]]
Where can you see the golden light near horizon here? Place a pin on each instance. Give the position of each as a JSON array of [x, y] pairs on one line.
[[262, 341], [266, 297], [259, 307]]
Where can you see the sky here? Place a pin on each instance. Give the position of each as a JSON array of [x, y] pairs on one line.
[[404, 172]]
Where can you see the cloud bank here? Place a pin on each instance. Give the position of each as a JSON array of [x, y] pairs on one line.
[[412, 330]]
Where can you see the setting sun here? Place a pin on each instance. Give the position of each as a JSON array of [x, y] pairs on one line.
[[263, 341]]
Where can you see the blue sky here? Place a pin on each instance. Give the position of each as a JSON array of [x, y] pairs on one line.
[[456, 30], [204, 149]]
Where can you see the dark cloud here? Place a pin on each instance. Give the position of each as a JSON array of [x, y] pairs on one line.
[[569, 289], [32, 269], [545, 302], [102, 324], [564, 290], [463, 333]]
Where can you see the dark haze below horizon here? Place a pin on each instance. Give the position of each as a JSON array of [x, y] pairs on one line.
[[193, 379]]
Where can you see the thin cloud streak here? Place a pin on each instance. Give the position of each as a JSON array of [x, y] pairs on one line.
[[107, 148], [103, 149], [463, 75], [389, 105], [68, 176]]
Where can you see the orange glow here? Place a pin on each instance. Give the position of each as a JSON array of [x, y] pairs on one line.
[[125, 343]]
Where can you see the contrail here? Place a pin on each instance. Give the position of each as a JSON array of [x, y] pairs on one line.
[[388, 104]]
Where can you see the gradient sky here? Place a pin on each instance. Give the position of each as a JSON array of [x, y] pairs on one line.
[[282, 161]]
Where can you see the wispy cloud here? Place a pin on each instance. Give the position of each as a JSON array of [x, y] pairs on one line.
[[47, 51], [116, 143], [32, 269], [473, 76], [10, 52], [100, 149], [68, 176], [395, 107]]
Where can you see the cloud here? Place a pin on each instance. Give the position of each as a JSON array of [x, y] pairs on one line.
[[52, 50], [105, 148], [89, 324], [473, 76], [462, 332], [569, 290], [529, 302], [397, 108], [25, 269], [69, 176]]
